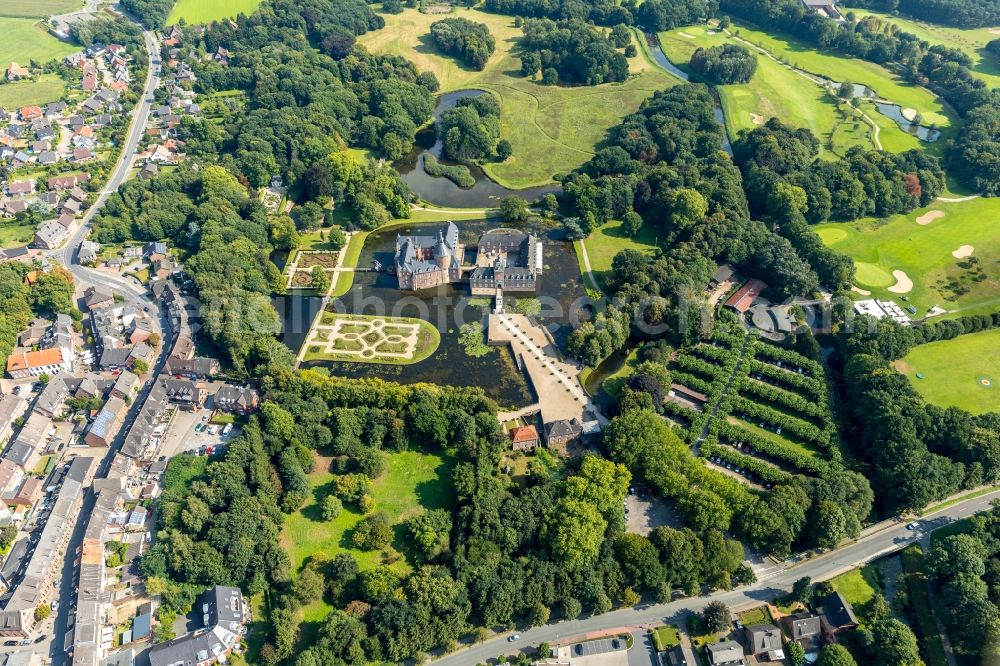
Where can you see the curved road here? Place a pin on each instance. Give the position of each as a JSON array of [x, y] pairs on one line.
[[875, 544]]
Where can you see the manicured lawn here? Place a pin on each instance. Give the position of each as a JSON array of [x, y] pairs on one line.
[[203, 11], [858, 586], [26, 39], [412, 481], [42, 90], [552, 129], [840, 68], [924, 253], [38, 8], [379, 329], [608, 240], [961, 372], [916, 582], [13, 234], [986, 66], [755, 616], [666, 637], [774, 91]]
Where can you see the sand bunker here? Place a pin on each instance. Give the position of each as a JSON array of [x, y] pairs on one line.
[[710, 32], [684, 34], [963, 252], [903, 283], [859, 290], [995, 31], [930, 216], [910, 114], [757, 119]]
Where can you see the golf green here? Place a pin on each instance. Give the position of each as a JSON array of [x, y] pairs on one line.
[[961, 372]]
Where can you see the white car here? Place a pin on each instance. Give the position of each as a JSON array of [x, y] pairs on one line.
[[515, 637], [914, 526]]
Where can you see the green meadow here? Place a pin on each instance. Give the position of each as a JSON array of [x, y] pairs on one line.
[[204, 11], [926, 253], [986, 66], [38, 8], [553, 129], [961, 372], [26, 39]]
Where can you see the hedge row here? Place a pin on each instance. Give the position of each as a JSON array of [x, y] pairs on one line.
[[776, 450], [700, 366], [766, 473], [691, 381], [788, 356], [718, 354], [788, 424], [791, 380], [811, 408]]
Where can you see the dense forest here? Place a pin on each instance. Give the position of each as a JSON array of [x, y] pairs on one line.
[[725, 64], [152, 13], [470, 41], [973, 154], [960, 13], [570, 52], [471, 130], [657, 15]]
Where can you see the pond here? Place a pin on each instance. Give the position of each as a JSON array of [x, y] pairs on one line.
[[486, 193], [895, 112], [447, 307], [296, 312]]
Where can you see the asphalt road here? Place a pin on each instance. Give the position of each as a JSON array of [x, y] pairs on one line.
[[823, 567]]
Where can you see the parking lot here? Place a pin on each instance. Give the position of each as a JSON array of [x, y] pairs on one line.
[[192, 432], [600, 652]]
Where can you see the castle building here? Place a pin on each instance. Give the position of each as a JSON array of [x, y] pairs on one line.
[[425, 262], [507, 259]]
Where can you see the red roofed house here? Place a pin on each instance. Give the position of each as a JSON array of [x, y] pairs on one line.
[[31, 112], [89, 79], [524, 438], [82, 154], [746, 295], [23, 363]]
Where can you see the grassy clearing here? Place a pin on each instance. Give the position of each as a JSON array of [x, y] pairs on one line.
[[552, 129], [412, 481], [38, 8], [42, 90], [962, 372], [924, 253], [666, 637], [774, 91], [14, 234], [204, 11], [858, 586], [608, 240], [986, 66], [26, 39], [886, 84], [931, 646], [759, 615]]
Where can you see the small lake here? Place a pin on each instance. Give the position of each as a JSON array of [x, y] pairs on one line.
[[447, 307], [296, 313], [486, 193], [895, 112]]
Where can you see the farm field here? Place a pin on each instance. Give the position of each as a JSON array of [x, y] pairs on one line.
[[552, 129], [986, 66], [961, 372], [203, 11], [26, 39], [38, 8], [776, 91], [931, 255]]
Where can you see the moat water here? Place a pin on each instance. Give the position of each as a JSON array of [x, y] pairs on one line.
[[486, 193], [561, 293]]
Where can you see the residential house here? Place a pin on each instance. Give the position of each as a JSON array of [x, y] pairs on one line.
[[11, 407], [154, 247], [675, 657], [33, 335], [725, 653], [13, 207], [193, 368], [239, 399], [126, 385], [825, 8], [11, 477], [149, 169], [29, 113], [88, 251], [764, 642], [225, 614], [20, 188], [524, 438], [50, 234], [562, 432], [82, 154], [52, 399], [89, 79], [29, 493], [23, 363], [40, 146], [184, 392], [97, 298], [16, 72], [805, 629], [59, 183], [55, 109], [107, 423], [837, 613], [48, 158], [221, 56], [162, 266]]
